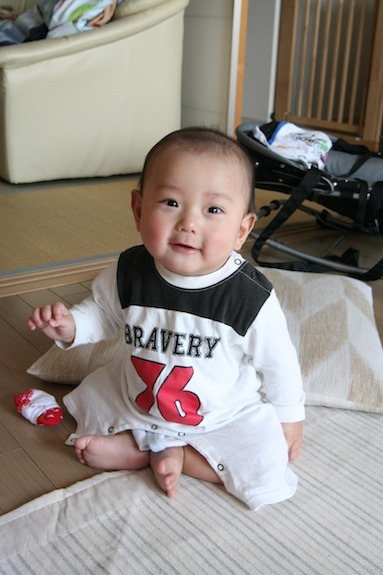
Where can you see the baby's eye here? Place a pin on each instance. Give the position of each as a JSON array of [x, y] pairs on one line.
[[171, 203], [214, 210]]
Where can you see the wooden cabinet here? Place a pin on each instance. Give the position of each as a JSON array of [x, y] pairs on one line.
[[330, 67]]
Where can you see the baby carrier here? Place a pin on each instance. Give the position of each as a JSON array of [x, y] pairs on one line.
[[344, 178]]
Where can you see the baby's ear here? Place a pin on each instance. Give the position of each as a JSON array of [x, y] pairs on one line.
[[136, 203], [245, 229]]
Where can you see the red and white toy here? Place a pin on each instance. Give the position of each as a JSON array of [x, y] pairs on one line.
[[39, 407]]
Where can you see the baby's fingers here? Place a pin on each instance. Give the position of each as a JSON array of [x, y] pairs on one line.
[[49, 315], [57, 312], [40, 317]]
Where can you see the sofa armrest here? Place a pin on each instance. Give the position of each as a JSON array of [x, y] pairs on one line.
[[129, 7], [132, 18]]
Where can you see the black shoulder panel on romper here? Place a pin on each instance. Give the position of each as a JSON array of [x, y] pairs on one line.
[[235, 301]]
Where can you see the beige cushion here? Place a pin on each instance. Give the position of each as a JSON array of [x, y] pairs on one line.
[[331, 322], [332, 325]]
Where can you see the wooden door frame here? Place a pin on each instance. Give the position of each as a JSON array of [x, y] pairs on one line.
[[237, 65], [373, 121]]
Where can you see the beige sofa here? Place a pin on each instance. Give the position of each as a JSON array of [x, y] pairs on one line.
[[91, 104]]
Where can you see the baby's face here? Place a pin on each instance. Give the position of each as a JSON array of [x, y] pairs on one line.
[[193, 211]]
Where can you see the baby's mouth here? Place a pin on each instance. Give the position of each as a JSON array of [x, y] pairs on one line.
[[184, 247]]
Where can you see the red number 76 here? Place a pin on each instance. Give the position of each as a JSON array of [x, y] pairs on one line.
[[175, 404]]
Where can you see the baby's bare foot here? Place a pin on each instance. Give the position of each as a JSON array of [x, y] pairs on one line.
[[111, 453], [167, 468]]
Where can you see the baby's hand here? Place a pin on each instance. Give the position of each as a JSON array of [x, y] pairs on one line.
[[56, 321], [293, 435]]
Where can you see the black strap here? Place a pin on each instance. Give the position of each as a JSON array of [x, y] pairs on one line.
[[374, 218], [359, 162], [363, 153], [305, 191], [302, 192], [375, 273], [374, 209], [343, 146], [360, 215]]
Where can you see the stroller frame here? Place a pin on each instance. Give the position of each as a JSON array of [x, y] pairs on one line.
[[357, 200]]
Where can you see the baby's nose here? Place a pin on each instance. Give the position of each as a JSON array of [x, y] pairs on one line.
[[187, 223]]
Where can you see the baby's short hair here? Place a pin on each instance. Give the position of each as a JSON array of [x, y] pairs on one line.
[[201, 140]]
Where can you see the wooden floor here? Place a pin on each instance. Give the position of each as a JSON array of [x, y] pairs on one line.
[[35, 460]]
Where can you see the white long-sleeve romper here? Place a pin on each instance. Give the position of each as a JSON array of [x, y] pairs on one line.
[[209, 363]]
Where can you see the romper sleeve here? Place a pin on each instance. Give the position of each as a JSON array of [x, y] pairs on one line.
[[99, 317], [276, 361]]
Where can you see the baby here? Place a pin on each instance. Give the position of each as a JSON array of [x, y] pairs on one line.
[[210, 384]]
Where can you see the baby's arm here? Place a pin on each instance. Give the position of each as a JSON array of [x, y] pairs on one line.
[[293, 435], [56, 321]]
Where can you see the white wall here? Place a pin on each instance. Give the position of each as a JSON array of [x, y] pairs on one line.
[[261, 59], [206, 65], [207, 62]]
